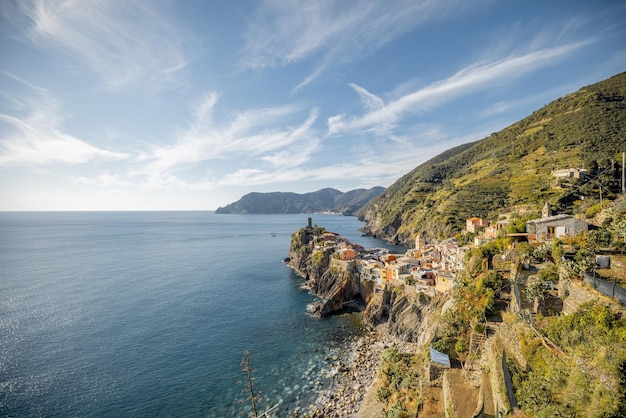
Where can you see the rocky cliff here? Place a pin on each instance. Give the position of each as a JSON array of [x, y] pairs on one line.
[[407, 316], [337, 283]]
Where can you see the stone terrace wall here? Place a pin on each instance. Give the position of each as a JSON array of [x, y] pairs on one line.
[[510, 338], [574, 294]]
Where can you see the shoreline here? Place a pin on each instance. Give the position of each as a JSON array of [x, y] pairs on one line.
[[353, 373]]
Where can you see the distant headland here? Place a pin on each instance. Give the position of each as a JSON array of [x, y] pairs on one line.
[[324, 200]]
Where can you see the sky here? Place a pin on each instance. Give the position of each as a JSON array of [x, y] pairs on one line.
[[189, 105]]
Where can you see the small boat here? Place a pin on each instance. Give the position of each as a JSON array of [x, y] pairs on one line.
[[273, 234]]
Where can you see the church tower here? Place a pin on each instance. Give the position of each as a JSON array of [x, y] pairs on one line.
[[419, 243]]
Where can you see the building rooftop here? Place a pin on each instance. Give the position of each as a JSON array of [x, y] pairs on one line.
[[551, 218]]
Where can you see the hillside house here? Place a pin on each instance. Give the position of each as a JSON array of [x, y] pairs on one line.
[[424, 276], [347, 254], [444, 282], [371, 270], [367, 267], [388, 258], [474, 225], [396, 270], [558, 226], [566, 173], [491, 232], [503, 222], [330, 237]]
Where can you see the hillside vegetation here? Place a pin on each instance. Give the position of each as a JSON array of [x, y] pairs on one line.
[[511, 168]]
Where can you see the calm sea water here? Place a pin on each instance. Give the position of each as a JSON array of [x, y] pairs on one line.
[[148, 313]]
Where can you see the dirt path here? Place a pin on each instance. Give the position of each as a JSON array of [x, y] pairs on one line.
[[464, 396], [433, 403], [370, 407], [488, 396]]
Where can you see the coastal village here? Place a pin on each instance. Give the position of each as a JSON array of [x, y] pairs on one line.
[[433, 266]]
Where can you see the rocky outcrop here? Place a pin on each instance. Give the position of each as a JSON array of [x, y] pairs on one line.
[[407, 316], [404, 315], [337, 283]]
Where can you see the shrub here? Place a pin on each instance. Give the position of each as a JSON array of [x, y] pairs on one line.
[[592, 211], [549, 273], [461, 346]]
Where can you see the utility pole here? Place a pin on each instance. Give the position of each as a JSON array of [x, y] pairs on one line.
[[623, 184], [601, 207]]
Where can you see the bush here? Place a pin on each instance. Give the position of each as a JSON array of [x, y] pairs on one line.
[[441, 345], [536, 288], [399, 383], [588, 379], [461, 346], [543, 252], [550, 273], [592, 211]]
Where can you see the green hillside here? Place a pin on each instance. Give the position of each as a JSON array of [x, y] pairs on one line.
[[324, 200], [511, 169]]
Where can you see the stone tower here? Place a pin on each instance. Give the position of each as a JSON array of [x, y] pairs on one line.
[[419, 242]]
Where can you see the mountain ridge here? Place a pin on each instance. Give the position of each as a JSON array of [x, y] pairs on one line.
[[323, 200]]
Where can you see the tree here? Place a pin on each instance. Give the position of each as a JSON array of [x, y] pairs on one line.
[[543, 252], [461, 346], [254, 398], [557, 250], [568, 270], [618, 229], [525, 250], [536, 288]]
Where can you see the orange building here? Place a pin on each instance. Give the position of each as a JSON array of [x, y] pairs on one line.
[[348, 254], [474, 224]]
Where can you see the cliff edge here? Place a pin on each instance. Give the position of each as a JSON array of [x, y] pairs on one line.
[[336, 282], [401, 314]]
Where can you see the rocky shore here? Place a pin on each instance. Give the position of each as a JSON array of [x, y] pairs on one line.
[[351, 372], [346, 389]]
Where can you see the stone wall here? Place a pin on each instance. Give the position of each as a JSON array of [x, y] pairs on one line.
[[574, 294], [510, 336], [435, 371], [548, 306], [448, 405], [498, 389]]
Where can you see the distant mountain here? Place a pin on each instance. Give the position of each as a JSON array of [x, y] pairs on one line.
[[511, 170], [324, 200]]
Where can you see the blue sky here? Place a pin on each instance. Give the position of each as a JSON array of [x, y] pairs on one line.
[[174, 105]]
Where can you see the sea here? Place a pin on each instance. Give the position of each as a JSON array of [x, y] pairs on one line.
[[148, 314]]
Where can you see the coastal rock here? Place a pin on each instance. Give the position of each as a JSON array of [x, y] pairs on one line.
[[338, 285], [408, 317]]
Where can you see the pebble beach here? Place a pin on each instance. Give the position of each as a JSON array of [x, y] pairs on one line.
[[352, 373]]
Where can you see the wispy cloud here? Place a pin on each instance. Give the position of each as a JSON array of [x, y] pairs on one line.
[[258, 136], [364, 168], [465, 81], [126, 43], [370, 101], [37, 136], [333, 31]]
